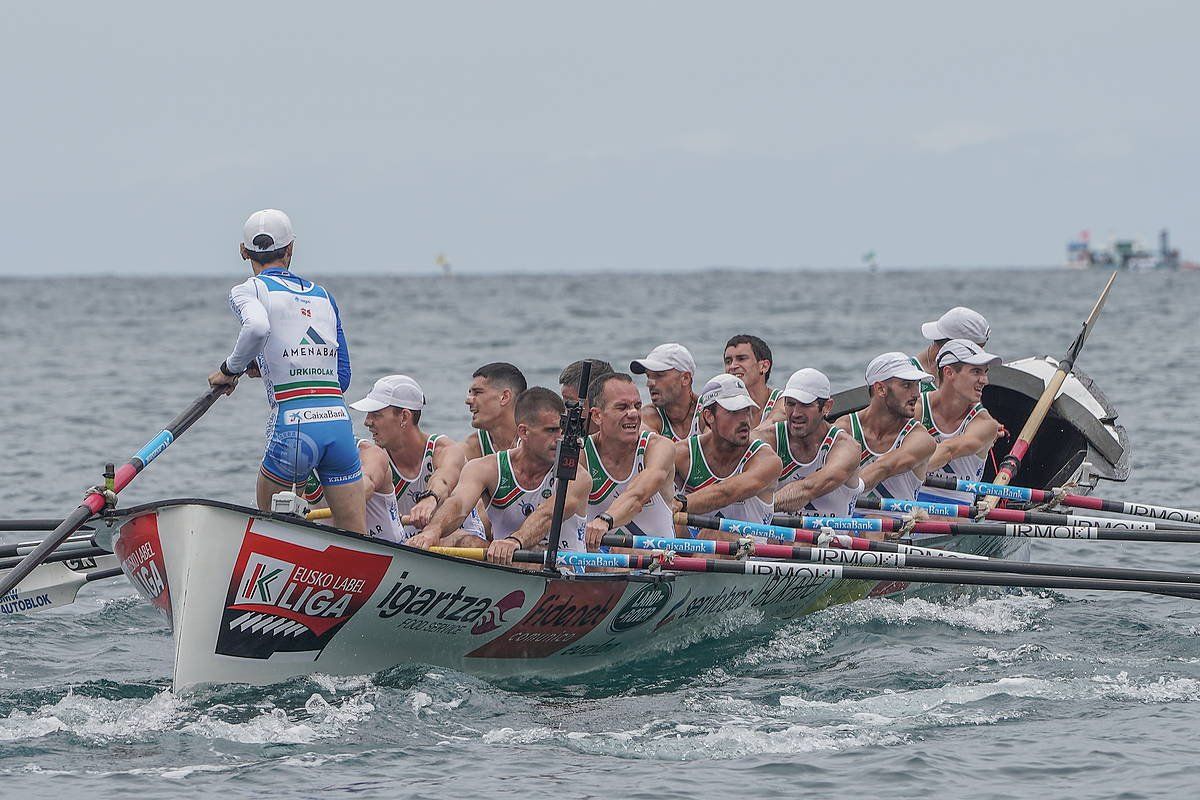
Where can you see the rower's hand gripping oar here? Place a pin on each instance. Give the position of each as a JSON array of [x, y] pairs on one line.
[[1011, 463], [99, 497], [574, 428]]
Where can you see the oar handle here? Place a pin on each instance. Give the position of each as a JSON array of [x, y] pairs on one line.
[[95, 501]]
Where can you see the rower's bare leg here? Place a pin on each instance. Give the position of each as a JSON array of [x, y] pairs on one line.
[[346, 502]]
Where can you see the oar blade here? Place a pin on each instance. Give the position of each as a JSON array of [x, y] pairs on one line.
[[52, 585]]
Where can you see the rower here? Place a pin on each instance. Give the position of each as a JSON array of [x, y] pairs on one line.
[[725, 471], [959, 322], [420, 469], [568, 379], [749, 358], [895, 447], [820, 461], [641, 502], [292, 333], [673, 411], [520, 517], [956, 419], [492, 396]]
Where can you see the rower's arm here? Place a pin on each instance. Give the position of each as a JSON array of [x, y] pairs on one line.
[[657, 475], [979, 436], [650, 419], [475, 479], [471, 447], [537, 525], [375, 471], [760, 474], [449, 459], [343, 353], [256, 326], [840, 466], [912, 455]]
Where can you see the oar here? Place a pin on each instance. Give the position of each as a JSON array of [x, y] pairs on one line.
[[95, 501], [1027, 495], [21, 548], [1011, 463], [50, 585], [30, 525], [828, 555], [821, 572], [1011, 530], [61, 554], [1003, 515]]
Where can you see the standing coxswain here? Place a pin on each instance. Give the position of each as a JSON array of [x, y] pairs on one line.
[[959, 322], [820, 461], [638, 500], [492, 398], [725, 471], [673, 410], [895, 447], [292, 332], [421, 468], [749, 358], [956, 419]]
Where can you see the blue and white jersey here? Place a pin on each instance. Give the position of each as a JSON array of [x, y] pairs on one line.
[[292, 329]]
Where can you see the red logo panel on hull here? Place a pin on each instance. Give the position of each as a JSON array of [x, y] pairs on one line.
[[141, 557], [566, 612], [287, 598]]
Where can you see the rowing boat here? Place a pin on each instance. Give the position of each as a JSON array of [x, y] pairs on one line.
[[254, 597]]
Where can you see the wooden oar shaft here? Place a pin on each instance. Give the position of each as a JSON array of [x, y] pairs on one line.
[[95, 501], [1012, 462]]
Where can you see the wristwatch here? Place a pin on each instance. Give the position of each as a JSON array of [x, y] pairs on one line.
[[682, 498], [225, 370], [607, 519], [422, 495]]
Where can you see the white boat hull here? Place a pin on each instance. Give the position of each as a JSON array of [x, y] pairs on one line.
[[255, 598]]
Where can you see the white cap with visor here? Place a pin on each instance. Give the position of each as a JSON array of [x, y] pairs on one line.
[[671, 355], [959, 322], [727, 391], [399, 391], [267, 230], [895, 365], [807, 385], [964, 351]]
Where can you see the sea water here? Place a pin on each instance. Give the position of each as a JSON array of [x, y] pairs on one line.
[[976, 693]]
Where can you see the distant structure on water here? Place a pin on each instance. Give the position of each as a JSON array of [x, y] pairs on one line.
[[870, 261], [444, 263], [1127, 254]]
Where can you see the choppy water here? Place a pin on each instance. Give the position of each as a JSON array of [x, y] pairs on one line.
[[982, 694]]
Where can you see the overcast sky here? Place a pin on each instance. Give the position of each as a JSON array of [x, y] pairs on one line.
[[571, 136]]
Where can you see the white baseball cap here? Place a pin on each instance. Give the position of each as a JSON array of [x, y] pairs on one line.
[[267, 230], [400, 391], [807, 385], [895, 365], [959, 322], [964, 351], [727, 391], [671, 355]]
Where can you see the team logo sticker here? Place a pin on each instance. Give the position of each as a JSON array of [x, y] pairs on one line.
[[285, 598], [141, 555], [641, 607]]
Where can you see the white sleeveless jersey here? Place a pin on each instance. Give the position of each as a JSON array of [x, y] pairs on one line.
[[769, 406], [406, 490], [968, 467], [900, 487], [655, 517], [299, 357], [512, 503], [383, 515], [837, 503], [700, 476]]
